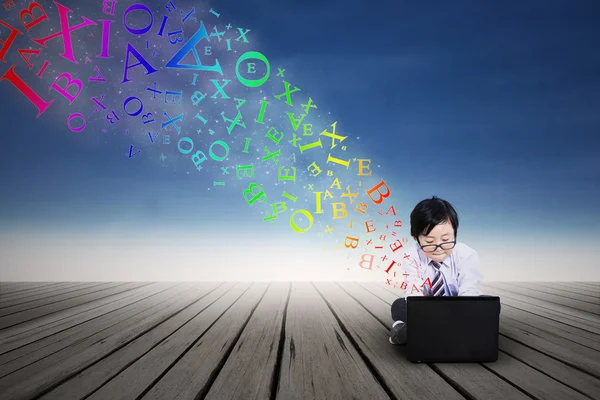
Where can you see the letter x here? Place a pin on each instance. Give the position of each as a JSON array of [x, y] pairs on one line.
[[220, 88], [270, 218], [172, 121], [287, 93], [65, 32], [99, 103], [242, 35], [154, 90], [188, 15]]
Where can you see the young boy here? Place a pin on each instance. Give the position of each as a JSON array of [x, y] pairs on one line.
[[452, 267]]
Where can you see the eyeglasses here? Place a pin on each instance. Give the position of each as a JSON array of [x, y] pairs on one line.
[[430, 248]]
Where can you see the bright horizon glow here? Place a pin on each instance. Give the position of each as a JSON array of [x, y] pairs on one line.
[[170, 255]]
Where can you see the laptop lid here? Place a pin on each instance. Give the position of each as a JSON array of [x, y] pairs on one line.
[[452, 328]]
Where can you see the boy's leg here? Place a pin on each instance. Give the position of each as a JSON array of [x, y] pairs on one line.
[[398, 331], [399, 309]]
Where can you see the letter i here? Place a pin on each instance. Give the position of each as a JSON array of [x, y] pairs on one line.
[[105, 38], [318, 208], [26, 90], [289, 196], [46, 63], [261, 114], [390, 267], [162, 26]]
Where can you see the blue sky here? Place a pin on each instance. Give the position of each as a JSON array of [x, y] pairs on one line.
[[493, 106]]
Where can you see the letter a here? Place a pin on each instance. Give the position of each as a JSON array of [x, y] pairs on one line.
[[190, 46], [140, 58]]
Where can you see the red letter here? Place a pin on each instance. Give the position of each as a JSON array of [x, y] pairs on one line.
[[27, 91], [360, 264], [396, 245], [34, 21], [381, 195], [29, 52], [65, 32], [11, 38]]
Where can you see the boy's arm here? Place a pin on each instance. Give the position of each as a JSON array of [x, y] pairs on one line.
[[469, 275]]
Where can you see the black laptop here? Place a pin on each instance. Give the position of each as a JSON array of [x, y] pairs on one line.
[[452, 328]]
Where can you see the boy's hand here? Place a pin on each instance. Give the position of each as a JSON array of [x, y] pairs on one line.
[[426, 290]]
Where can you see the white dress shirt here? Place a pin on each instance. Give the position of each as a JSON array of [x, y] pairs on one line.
[[461, 271]]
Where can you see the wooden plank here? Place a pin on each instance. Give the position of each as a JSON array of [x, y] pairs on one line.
[[573, 289], [60, 337], [567, 332], [543, 300], [307, 370], [250, 370], [472, 378], [575, 379], [530, 381], [90, 379], [35, 299], [590, 284], [193, 374], [32, 292], [582, 286], [24, 316], [43, 290], [87, 288], [552, 344], [16, 287], [75, 314], [366, 318], [552, 298], [521, 303], [35, 379], [28, 354], [134, 381], [558, 292]]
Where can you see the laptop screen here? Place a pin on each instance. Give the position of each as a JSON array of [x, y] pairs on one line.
[[452, 328]]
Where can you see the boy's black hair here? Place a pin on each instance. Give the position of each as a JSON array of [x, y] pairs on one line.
[[429, 213]]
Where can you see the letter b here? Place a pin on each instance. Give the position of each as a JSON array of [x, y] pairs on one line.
[[65, 89], [257, 196]]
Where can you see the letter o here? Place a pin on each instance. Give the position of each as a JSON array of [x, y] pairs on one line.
[[307, 215], [185, 139], [220, 143], [127, 102], [252, 82], [134, 7], [78, 129]]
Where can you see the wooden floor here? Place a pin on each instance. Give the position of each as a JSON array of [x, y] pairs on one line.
[[116, 340]]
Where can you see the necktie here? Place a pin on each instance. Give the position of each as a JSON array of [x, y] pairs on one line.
[[437, 286]]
